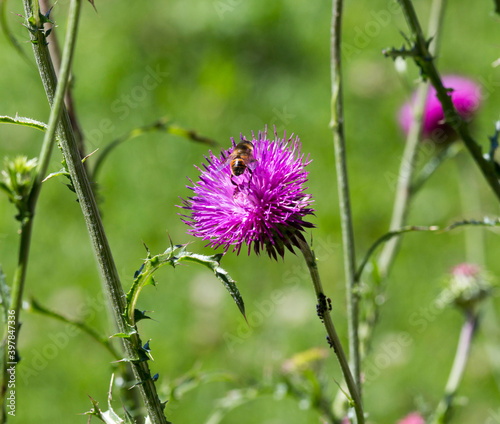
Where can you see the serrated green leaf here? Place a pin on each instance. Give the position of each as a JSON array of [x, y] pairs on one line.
[[25, 122]]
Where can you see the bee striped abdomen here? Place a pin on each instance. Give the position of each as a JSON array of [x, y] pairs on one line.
[[238, 167]]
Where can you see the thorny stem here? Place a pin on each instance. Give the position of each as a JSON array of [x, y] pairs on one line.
[[38, 39], [337, 125], [457, 370], [55, 55], [407, 168], [323, 309], [107, 268], [425, 61]]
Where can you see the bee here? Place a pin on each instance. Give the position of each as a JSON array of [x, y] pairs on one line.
[[240, 160]]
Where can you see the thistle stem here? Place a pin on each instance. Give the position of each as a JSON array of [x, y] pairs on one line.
[[37, 38], [337, 126], [425, 61], [404, 189], [462, 354], [323, 308], [55, 54], [102, 251]]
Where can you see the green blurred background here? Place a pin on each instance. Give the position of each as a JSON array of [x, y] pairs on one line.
[[225, 67]]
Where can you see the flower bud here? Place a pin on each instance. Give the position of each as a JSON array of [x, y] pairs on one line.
[[467, 286], [466, 97]]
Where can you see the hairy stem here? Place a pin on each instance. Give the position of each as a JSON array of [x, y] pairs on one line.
[[107, 268], [38, 39], [323, 309], [337, 125], [443, 409], [55, 54], [407, 168], [425, 61]]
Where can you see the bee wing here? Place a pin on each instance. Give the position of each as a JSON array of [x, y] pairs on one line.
[[225, 163], [252, 163]]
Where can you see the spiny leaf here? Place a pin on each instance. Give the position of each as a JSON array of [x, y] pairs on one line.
[[173, 256], [140, 315], [26, 122]]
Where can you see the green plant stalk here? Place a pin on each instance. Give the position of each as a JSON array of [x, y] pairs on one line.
[[425, 61], [333, 338], [443, 409], [37, 37], [55, 54], [407, 168], [92, 218], [471, 206], [337, 126]]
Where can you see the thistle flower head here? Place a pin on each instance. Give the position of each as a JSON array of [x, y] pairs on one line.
[[265, 205], [467, 285], [465, 95]]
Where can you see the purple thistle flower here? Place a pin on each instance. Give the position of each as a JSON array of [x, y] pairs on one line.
[[466, 96], [265, 205]]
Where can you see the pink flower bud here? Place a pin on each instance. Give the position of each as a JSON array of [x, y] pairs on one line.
[[466, 97], [412, 418]]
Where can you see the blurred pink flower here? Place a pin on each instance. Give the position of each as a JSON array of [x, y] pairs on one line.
[[412, 418], [466, 97], [465, 270], [467, 285]]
